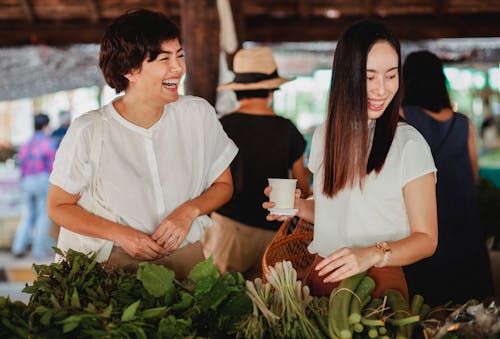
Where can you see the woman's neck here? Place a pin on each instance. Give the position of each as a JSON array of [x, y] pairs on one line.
[[138, 112], [442, 115], [257, 106]]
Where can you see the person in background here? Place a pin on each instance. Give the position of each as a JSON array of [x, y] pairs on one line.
[[490, 134], [269, 146], [135, 179], [461, 250], [35, 159], [64, 121], [374, 206]]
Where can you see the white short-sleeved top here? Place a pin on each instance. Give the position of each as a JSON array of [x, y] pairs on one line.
[[358, 218], [144, 174]]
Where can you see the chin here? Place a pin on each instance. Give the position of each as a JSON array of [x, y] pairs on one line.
[[375, 115]]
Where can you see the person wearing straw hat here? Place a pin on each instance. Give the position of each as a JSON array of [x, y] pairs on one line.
[[269, 146]]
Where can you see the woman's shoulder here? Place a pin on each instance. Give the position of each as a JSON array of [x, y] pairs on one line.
[[192, 101], [406, 133], [83, 124]]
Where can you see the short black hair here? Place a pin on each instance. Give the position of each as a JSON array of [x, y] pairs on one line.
[[425, 82], [40, 120], [132, 37], [258, 93]]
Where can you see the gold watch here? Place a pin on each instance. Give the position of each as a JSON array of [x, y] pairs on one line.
[[386, 249]]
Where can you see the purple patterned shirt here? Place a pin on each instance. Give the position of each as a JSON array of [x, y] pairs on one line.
[[37, 155]]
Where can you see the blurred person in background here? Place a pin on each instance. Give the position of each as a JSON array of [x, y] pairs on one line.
[[58, 134], [461, 253], [269, 146], [35, 159]]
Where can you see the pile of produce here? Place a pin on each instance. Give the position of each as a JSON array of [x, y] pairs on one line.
[[79, 298], [283, 308]]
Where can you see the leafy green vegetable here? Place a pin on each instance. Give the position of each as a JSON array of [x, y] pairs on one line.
[[157, 280]]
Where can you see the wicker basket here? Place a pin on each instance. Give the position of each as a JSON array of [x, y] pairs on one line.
[[290, 243]]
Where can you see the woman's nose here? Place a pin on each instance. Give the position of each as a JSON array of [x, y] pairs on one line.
[[175, 66], [380, 87]]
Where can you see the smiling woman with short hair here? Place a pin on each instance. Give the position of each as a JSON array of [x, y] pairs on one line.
[[135, 179]]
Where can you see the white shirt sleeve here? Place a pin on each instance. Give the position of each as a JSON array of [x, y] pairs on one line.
[[317, 149], [417, 158], [71, 170], [222, 149]]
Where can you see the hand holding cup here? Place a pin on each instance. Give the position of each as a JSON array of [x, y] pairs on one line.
[[282, 194]]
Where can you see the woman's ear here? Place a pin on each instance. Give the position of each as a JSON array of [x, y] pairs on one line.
[[131, 76]]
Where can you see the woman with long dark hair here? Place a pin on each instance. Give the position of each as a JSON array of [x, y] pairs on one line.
[[374, 205], [461, 250]]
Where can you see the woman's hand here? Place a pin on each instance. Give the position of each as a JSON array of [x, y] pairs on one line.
[[347, 262], [139, 245], [174, 228], [268, 204]]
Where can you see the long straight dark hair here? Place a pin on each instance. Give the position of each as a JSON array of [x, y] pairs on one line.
[[346, 158]]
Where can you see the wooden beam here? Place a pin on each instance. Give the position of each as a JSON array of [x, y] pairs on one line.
[[368, 7], [160, 4], [27, 9], [93, 10], [14, 33], [304, 8], [406, 27], [200, 39], [440, 8]]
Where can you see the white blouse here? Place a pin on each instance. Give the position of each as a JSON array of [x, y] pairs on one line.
[[359, 218], [144, 174]]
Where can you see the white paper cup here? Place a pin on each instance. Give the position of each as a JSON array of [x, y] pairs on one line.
[[282, 193]]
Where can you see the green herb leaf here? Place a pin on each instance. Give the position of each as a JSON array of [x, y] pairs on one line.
[[129, 313], [153, 312], [204, 270], [70, 326], [75, 299], [185, 302], [156, 279]]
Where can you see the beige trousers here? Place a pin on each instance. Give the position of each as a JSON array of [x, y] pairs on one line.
[[235, 246], [180, 261]]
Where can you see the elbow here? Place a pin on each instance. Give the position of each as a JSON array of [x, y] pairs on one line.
[[228, 194], [50, 210], [432, 246]]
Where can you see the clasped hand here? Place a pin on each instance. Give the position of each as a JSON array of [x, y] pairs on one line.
[[168, 236]]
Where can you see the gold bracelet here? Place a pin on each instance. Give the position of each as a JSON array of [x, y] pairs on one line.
[[386, 249]]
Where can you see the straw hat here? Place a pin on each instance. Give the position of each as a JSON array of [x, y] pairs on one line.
[[254, 69]]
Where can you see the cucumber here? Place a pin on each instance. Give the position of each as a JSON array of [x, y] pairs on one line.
[[364, 290], [340, 302], [401, 309]]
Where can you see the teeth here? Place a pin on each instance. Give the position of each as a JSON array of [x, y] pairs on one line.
[[171, 83], [376, 103]]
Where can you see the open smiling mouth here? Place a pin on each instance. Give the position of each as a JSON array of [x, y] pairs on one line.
[[170, 84]]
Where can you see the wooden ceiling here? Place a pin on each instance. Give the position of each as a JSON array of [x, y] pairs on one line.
[[61, 22]]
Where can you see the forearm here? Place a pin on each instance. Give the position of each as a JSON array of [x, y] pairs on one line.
[[78, 220], [411, 249], [306, 209], [214, 197]]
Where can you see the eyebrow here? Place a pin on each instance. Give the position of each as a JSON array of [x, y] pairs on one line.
[[390, 69], [168, 52]]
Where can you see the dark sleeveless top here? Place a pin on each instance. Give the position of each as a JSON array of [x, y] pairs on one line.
[[268, 145], [460, 268]]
